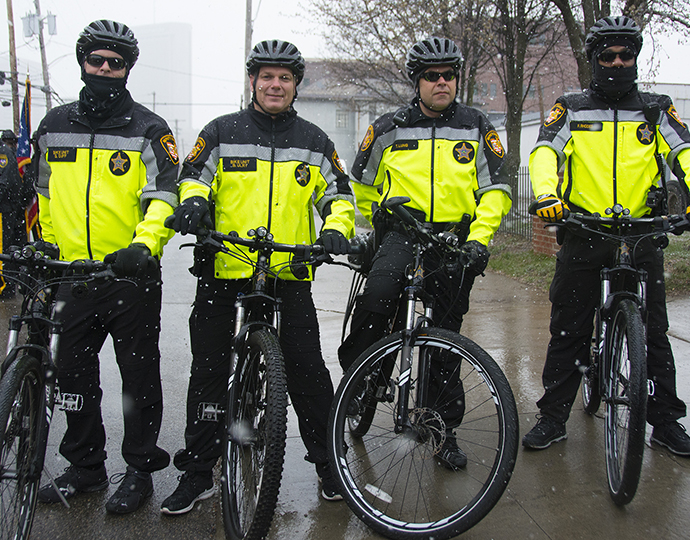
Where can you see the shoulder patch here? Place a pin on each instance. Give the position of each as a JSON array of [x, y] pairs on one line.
[[168, 143], [556, 112], [336, 161], [673, 113], [3, 161], [494, 142], [368, 138], [199, 146]]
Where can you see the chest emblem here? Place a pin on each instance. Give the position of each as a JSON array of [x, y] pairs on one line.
[[303, 174], [645, 134], [119, 163], [463, 152]]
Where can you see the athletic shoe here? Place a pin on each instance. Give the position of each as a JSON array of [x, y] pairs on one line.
[[450, 455], [672, 435], [191, 489], [329, 487], [136, 487], [546, 432], [73, 481]]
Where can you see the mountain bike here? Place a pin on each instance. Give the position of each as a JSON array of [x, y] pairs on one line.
[[256, 410], [386, 430], [617, 373], [28, 391]]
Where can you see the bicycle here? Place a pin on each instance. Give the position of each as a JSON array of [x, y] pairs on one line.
[[386, 431], [617, 373], [28, 391], [256, 411]]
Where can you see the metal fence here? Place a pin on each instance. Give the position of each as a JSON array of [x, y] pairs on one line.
[[518, 221]]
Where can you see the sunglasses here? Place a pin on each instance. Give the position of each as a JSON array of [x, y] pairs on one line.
[[609, 56], [433, 76], [96, 60]]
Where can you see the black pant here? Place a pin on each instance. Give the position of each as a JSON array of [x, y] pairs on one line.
[[376, 307], [575, 294], [131, 315], [12, 233], [309, 383]]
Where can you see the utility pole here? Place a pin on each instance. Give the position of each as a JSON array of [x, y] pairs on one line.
[[247, 49], [13, 67], [44, 63]]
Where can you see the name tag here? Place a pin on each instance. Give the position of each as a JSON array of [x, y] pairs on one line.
[[405, 145], [233, 164], [586, 126], [62, 154]]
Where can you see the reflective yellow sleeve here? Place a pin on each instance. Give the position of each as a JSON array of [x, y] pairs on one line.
[[45, 220], [492, 207], [365, 197], [683, 159], [341, 218], [193, 189], [543, 171], [151, 231]]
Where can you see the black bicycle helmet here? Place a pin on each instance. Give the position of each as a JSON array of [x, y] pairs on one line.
[[608, 27], [432, 52], [111, 35], [275, 52]]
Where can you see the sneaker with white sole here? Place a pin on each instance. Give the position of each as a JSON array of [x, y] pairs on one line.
[[191, 489]]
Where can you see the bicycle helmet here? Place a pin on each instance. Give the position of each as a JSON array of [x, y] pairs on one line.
[[432, 52], [275, 52], [621, 27], [111, 35]]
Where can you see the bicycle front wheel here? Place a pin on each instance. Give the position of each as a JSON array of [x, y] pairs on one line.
[[626, 403], [391, 478], [21, 402], [256, 424]]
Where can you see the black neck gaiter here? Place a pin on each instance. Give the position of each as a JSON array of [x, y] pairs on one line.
[[612, 83], [102, 96]]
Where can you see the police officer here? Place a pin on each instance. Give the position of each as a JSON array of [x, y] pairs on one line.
[[13, 229], [107, 182], [584, 135], [447, 158], [263, 166]]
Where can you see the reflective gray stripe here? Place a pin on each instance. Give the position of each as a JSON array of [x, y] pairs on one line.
[[151, 189], [502, 187], [597, 115], [100, 142], [559, 151]]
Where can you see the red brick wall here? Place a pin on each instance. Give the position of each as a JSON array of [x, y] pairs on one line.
[[543, 239]]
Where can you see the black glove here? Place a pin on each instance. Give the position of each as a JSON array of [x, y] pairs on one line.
[[132, 261], [474, 256], [51, 251], [189, 215], [334, 242]]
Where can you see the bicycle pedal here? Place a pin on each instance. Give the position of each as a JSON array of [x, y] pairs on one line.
[[210, 412]]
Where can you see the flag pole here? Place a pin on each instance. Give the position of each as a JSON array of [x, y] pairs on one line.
[[13, 67]]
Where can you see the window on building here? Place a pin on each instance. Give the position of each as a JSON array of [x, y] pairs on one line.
[[342, 119], [493, 90]]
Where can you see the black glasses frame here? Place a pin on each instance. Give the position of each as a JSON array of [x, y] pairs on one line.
[[434, 76], [609, 56], [96, 60]]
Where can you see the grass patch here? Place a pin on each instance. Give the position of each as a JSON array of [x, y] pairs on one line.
[[513, 256]]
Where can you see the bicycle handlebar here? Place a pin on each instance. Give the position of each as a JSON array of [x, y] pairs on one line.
[[29, 256], [676, 224]]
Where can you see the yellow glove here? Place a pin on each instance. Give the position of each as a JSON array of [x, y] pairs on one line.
[[550, 208]]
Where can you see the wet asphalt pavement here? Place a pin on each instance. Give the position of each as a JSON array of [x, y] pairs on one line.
[[558, 493]]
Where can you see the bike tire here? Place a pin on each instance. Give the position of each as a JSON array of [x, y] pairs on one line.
[[626, 403], [591, 389], [22, 399], [392, 481], [254, 446]]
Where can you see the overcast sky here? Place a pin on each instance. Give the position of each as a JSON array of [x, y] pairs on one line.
[[217, 40]]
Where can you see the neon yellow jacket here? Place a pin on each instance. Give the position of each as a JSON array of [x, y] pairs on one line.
[[260, 171], [607, 151], [448, 166], [101, 190]]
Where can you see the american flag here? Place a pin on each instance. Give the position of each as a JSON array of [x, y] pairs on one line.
[[24, 158]]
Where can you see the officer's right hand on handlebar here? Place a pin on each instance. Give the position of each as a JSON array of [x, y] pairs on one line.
[[474, 256], [334, 242], [191, 214], [550, 208]]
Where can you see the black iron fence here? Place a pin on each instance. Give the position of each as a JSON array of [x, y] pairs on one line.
[[518, 221]]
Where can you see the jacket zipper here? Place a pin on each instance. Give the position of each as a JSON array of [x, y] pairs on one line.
[[88, 191], [433, 151], [270, 187], [615, 155]]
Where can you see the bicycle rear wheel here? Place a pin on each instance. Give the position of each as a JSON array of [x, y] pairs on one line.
[[391, 480], [21, 403], [626, 403], [256, 425]]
